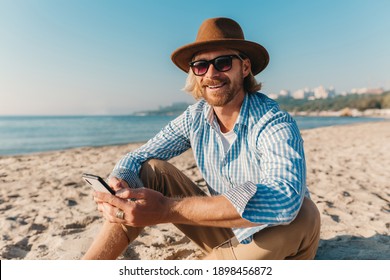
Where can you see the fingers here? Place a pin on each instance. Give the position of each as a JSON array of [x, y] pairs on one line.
[[124, 193], [109, 205], [117, 184], [110, 213], [131, 194], [101, 197]]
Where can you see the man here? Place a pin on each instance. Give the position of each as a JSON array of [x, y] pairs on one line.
[[249, 152]]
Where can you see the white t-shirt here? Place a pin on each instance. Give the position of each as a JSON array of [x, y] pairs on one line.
[[227, 139]]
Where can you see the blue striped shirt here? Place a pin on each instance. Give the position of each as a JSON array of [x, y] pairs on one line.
[[263, 174]]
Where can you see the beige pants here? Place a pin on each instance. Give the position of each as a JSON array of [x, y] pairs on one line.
[[298, 240]]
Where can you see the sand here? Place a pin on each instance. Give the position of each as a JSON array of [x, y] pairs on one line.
[[47, 211]]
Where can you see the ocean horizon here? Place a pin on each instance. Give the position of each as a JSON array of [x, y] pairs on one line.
[[31, 134]]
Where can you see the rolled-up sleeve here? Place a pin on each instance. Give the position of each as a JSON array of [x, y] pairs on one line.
[[277, 197], [171, 141]]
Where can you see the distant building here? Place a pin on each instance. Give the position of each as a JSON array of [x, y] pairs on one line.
[[305, 93], [285, 93], [367, 91], [282, 93], [299, 94], [344, 93], [317, 93], [332, 91], [321, 92]]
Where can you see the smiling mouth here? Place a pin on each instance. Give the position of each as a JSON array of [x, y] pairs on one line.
[[215, 86]]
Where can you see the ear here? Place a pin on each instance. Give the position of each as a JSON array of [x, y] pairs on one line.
[[246, 67]]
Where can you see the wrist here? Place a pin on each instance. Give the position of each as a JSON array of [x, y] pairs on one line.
[[172, 210]]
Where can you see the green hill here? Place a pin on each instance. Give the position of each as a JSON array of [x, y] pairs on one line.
[[352, 101], [172, 110]]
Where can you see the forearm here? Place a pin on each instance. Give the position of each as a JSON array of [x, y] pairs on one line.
[[171, 141], [214, 211], [149, 207]]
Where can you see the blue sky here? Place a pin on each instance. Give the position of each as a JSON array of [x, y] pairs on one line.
[[113, 57]]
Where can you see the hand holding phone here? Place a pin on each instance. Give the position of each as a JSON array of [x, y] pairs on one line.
[[97, 183]]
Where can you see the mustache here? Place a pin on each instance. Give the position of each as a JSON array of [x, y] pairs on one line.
[[214, 82]]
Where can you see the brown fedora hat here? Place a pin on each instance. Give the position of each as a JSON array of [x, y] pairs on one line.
[[221, 33]]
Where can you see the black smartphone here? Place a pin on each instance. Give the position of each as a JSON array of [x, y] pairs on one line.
[[97, 183]]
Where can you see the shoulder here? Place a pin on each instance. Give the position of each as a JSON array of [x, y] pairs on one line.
[[262, 108], [197, 110], [266, 117], [262, 100], [197, 107]]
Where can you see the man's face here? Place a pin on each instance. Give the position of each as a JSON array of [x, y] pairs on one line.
[[220, 88]]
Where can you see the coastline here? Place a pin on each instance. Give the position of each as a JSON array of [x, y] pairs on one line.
[[47, 211], [346, 112], [32, 135]]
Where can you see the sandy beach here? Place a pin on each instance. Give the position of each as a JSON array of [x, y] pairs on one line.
[[47, 211]]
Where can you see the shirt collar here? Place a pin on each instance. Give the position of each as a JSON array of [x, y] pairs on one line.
[[242, 118], [208, 114]]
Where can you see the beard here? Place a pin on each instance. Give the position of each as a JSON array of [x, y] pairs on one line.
[[221, 96]]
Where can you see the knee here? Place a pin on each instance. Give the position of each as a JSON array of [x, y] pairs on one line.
[[148, 170], [153, 173], [152, 168], [312, 213], [312, 221], [153, 164]]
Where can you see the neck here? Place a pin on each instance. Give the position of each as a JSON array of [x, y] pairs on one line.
[[228, 114]]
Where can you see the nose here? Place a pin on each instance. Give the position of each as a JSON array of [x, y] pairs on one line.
[[212, 72]]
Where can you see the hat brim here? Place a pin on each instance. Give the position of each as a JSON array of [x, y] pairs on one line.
[[257, 54]]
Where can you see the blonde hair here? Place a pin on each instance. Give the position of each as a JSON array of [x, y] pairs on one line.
[[191, 86]]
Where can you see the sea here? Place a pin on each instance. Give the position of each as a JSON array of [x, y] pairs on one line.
[[31, 134]]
